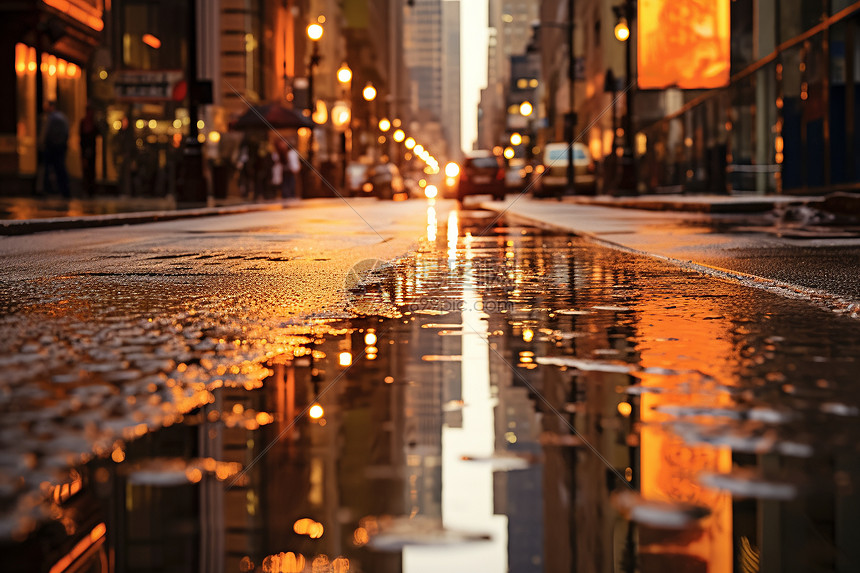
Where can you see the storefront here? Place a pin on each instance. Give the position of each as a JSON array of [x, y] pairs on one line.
[[45, 52]]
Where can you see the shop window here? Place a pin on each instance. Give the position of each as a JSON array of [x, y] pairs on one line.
[[63, 82]]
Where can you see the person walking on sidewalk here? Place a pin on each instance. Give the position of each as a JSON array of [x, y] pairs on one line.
[[277, 171], [53, 144], [88, 132], [287, 164], [291, 173]]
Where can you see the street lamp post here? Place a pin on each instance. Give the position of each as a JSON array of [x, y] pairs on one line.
[[369, 95], [610, 85], [384, 126], [570, 116], [570, 119], [315, 32], [344, 76], [194, 186], [626, 14]]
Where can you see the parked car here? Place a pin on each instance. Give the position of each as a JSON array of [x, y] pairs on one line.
[[386, 181], [553, 180], [357, 180], [481, 173]]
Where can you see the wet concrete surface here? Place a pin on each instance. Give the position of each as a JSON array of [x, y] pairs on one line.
[[809, 255], [501, 399]]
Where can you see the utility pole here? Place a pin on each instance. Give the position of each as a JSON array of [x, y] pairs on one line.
[[629, 135], [626, 14], [570, 118], [194, 186]]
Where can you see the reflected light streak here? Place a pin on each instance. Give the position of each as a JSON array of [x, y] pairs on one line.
[[453, 235], [432, 224], [345, 358], [468, 487], [661, 476], [95, 536]]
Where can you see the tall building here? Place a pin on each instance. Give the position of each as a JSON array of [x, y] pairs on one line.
[[422, 46], [451, 75], [374, 34], [128, 59], [432, 57], [783, 118], [511, 24]]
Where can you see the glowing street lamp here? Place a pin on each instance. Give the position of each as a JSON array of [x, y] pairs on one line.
[[369, 92], [316, 411], [526, 109], [516, 139], [344, 74], [625, 15], [315, 32], [340, 115], [622, 30], [384, 125], [399, 135], [409, 143]]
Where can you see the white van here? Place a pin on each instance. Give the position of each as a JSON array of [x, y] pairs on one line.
[[553, 180]]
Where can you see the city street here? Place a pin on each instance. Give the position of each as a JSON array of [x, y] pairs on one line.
[[404, 386], [429, 286]]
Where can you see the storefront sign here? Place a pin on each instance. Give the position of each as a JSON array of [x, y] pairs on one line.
[[151, 85]]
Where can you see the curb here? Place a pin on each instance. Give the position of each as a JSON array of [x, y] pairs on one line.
[[28, 226], [714, 208]]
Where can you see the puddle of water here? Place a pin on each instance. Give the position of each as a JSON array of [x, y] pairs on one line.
[[502, 400]]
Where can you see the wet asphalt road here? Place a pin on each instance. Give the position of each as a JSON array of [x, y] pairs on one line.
[[499, 399]]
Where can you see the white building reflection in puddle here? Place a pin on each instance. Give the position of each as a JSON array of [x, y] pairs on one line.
[[467, 484]]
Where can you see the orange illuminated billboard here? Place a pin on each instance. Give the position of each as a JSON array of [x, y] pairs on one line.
[[683, 43]]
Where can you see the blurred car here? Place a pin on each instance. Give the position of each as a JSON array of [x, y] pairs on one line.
[[446, 180], [515, 175], [357, 181], [413, 189], [386, 181], [553, 180], [481, 173]]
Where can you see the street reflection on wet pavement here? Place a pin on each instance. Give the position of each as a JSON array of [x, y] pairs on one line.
[[503, 399]]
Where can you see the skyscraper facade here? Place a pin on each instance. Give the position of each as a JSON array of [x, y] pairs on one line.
[[432, 56]]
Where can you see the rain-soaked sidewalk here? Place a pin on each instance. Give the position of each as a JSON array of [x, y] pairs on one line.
[[26, 215], [502, 399], [793, 249]]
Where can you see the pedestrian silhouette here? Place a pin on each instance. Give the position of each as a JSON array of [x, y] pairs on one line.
[[263, 171], [291, 173], [53, 144], [279, 161], [88, 131]]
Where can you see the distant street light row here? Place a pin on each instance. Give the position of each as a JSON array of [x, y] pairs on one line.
[[315, 32], [399, 136]]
